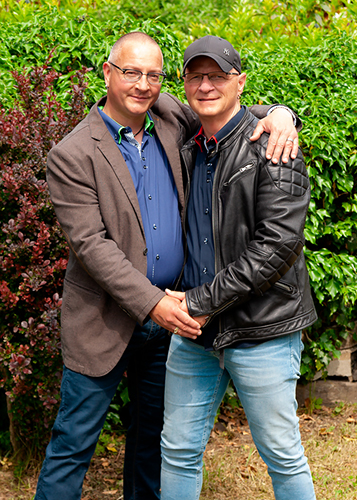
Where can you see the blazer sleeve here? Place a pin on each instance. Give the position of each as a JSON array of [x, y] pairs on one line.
[[75, 198]]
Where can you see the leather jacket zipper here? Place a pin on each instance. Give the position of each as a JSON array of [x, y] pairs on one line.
[[214, 232], [284, 286], [238, 173]]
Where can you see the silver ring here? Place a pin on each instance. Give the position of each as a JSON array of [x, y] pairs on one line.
[[289, 139], [176, 330]]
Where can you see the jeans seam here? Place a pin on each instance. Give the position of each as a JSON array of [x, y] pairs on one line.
[[294, 372], [291, 354], [55, 445], [202, 448], [136, 443], [64, 406]]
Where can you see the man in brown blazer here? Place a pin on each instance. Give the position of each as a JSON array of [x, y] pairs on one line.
[[118, 191]]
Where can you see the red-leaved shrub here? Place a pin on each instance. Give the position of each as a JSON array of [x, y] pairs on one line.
[[33, 253]]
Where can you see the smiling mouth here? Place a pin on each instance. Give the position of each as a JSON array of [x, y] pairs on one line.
[[140, 97]]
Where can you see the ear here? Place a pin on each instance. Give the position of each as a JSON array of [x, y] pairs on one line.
[[106, 72], [241, 82]]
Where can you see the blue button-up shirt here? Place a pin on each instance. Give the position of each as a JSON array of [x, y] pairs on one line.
[[158, 199], [200, 266]]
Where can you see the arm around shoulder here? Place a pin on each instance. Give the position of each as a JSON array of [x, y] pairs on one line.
[[172, 109]]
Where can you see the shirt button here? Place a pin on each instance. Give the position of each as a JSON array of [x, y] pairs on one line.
[[208, 171], [207, 211], [145, 252], [154, 226], [143, 158], [150, 197], [208, 180], [157, 257], [204, 270], [145, 167], [205, 241], [209, 164]]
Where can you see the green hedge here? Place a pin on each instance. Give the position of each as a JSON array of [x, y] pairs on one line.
[[301, 53], [75, 38], [320, 83]]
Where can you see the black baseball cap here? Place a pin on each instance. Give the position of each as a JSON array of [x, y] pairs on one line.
[[217, 49]]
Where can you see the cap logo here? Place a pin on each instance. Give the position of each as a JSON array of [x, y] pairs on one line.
[[226, 51]]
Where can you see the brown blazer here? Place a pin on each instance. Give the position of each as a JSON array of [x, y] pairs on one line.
[[106, 291]]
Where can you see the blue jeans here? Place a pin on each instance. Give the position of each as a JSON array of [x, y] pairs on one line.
[[265, 377], [84, 406]]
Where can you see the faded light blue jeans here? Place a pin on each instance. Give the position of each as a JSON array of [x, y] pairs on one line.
[[265, 377]]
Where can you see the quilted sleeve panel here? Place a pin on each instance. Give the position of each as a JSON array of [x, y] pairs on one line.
[[290, 177], [278, 264]]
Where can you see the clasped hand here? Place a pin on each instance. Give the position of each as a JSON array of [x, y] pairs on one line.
[[171, 312], [181, 296]]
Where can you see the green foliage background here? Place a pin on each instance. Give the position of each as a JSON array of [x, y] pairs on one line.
[[301, 53]]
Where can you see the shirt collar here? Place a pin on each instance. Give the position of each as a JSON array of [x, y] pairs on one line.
[[210, 144], [117, 131]]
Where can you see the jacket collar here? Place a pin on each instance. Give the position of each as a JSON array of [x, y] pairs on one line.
[[99, 132], [108, 148], [211, 144], [224, 139]]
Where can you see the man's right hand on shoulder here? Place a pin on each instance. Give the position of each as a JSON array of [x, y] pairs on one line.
[[167, 313]]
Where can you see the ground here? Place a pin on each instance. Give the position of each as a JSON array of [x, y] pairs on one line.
[[233, 468]]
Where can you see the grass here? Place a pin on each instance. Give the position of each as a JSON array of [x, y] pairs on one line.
[[232, 465]]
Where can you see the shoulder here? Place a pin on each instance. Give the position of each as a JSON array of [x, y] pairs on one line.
[[167, 102], [172, 110], [291, 177], [250, 122]]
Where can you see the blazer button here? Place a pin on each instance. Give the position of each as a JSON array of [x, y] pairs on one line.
[[145, 252]]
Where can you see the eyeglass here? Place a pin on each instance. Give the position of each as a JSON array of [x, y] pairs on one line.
[[133, 75], [215, 77]]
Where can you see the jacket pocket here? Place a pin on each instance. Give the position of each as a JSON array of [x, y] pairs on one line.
[[239, 172], [286, 287]]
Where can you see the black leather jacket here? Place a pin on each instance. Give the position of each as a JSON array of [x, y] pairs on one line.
[[261, 289]]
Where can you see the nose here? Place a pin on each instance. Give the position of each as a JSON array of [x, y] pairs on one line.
[[143, 83], [206, 84]]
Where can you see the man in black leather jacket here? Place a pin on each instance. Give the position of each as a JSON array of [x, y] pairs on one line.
[[245, 281]]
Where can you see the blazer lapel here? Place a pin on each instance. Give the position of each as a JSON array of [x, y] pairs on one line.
[[111, 153], [113, 156], [169, 143]]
